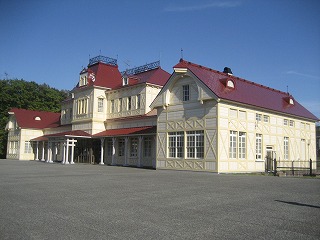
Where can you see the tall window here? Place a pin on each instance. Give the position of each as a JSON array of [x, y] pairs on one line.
[[195, 144], [285, 122], [121, 147], [176, 144], [27, 147], [186, 92], [100, 104], [112, 106], [82, 106], [258, 146], [258, 117], [129, 103], [266, 118], [147, 147], [138, 101], [134, 147], [120, 104], [242, 145], [233, 144], [109, 147], [286, 148]]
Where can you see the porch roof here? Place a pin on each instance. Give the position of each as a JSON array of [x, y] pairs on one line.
[[75, 134], [127, 131]]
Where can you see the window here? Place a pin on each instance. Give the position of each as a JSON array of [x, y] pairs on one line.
[[176, 144], [258, 146], [125, 81], [233, 113], [233, 145], [286, 148], [186, 93], [230, 84], [258, 117], [138, 101], [266, 118], [242, 145], [147, 147], [109, 147], [82, 106], [121, 147], [195, 144], [83, 81], [112, 106], [134, 147], [242, 115], [291, 122], [27, 147], [100, 104], [70, 112], [129, 103], [285, 122], [120, 104]]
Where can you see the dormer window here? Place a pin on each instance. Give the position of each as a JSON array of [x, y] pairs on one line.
[[230, 84], [291, 102], [37, 118], [83, 80], [185, 93], [125, 81]]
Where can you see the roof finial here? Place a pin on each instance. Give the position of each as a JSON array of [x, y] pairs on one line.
[[181, 53]]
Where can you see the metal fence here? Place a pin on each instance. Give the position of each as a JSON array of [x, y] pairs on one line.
[[293, 168]]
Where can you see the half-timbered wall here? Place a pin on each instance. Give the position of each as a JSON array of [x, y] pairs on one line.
[[273, 128], [185, 117]]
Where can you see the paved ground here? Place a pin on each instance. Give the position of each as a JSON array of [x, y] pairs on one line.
[[53, 201]]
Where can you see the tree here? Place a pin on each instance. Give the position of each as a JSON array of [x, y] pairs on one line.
[[16, 93]]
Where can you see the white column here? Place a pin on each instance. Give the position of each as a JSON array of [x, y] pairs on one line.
[[126, 140], [72, 151], [139, 151], [67, 152], [43, 143], [50, 152], [37, 152], [113, 151], [102, 150], [64, 153]]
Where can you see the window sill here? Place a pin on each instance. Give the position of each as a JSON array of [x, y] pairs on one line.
[[260, 160]]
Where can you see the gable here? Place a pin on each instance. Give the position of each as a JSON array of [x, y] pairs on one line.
[[172, 92]]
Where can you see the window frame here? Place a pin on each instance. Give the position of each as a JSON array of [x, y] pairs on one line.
[[186, 92], [242, 145], [100, 104], [195, 144], [176, 144], [259, 147], [233, 144]]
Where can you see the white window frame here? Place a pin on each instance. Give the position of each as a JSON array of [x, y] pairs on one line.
[[134, 147], [242, 145], [27, 147], [195, 144], [286, 148], [258, 117], [128, 103], [186, 92], [100, 104], [258, 147], [120, 105], [138, 104], [233, 144], [109, 147], [175, 144]]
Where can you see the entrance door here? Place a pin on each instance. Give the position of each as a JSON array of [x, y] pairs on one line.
[[270, 155]]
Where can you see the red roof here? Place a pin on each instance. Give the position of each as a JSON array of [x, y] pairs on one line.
[[36, 119], [105, 75], [127, 131], [246, 92], [156, 76]]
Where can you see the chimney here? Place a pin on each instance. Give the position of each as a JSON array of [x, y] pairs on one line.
[[227, 70]]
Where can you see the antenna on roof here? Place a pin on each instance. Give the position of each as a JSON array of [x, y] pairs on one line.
[[100, 51], [181, 53], [287, 89]]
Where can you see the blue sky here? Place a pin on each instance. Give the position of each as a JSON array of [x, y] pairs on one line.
[[273, 42]]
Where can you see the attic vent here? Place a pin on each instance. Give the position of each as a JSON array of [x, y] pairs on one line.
[[37, 118], [227, 70]]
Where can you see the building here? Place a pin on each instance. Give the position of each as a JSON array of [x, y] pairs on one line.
[[197, 119], [107, 114], [214, 121]]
